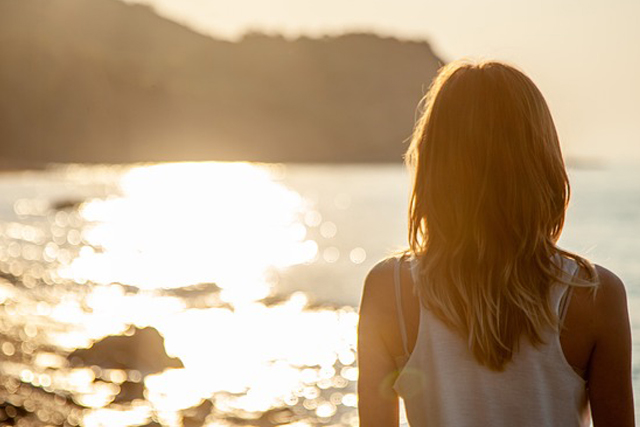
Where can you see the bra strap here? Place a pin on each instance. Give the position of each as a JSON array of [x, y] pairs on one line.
[[403, 329]]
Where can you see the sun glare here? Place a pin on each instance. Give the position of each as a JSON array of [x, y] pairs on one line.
[[180, 224]]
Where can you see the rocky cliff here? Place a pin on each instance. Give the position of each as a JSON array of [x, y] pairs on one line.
[[103, 81]]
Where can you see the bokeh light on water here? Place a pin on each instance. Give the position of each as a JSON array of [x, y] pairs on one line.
[[185, 255]]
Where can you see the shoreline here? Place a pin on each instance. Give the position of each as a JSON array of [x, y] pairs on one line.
[[10, 165]]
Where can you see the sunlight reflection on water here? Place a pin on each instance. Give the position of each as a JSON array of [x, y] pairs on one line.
[[186, 223], [219, 231]]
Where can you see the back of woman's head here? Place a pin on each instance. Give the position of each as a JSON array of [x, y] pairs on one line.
[[487, 207]]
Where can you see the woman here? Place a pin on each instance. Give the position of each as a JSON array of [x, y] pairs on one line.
[[484, 321]]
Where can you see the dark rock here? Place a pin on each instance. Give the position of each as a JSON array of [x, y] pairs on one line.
[[130, 391], [277, 416], [143, 350], [194, 291], [66, 204], [195, 416]]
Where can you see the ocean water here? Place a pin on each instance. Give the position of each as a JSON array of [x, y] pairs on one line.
[[250, 273]]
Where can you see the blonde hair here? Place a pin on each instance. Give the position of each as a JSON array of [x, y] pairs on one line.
[[489, 196]]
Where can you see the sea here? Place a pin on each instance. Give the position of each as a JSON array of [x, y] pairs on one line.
[[222, 294]]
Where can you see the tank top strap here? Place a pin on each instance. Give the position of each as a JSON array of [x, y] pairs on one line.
[[401, 322], [564, 304], [570, 268], [414, 269]]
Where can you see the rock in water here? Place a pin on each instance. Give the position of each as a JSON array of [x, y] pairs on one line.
[[143, 350], [196, 416]]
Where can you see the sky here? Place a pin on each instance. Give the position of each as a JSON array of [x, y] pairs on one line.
[[583, 55]]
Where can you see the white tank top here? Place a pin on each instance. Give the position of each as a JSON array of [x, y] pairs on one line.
[[442, 384]]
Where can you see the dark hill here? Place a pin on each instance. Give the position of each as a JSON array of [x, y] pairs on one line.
[[103, 81]]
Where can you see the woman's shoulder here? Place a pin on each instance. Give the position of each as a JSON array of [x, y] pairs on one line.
[[379, 290], [379, 307], [381, 277], [605, 303], [378, 285], [611, 294], [601, 280], [608, 280]]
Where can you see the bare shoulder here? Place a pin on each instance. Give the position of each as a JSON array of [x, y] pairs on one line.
[[378, 285], [595, 311], [611, 293], [610, 285], [610, 301], [382, 271]]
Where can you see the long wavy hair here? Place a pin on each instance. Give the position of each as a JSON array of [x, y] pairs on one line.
[[489, 196]]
